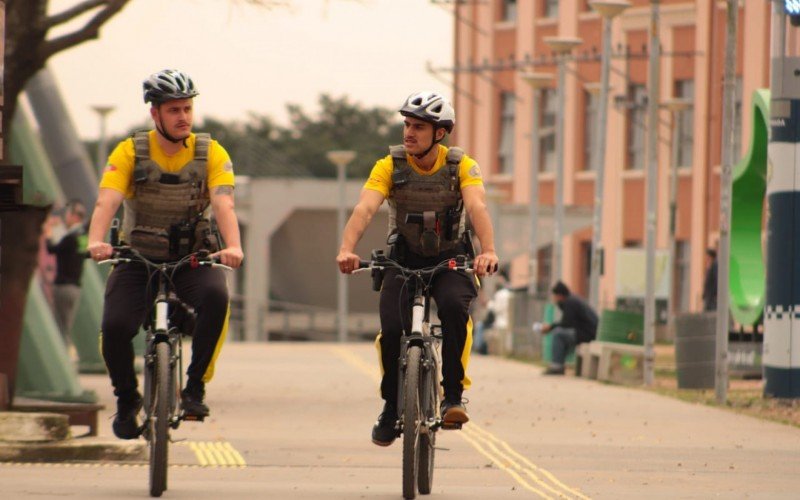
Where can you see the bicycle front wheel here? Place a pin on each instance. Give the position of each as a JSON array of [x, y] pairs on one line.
[[411, 422], [159, 419], [427, 439]]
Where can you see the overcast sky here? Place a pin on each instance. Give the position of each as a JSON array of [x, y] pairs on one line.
[[246, 59]]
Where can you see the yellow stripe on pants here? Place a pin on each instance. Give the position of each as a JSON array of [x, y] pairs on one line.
[[209, 374]]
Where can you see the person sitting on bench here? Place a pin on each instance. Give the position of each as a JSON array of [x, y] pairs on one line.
[[578, 325]]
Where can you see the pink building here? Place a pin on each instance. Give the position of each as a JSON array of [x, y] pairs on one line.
[[499, 40]]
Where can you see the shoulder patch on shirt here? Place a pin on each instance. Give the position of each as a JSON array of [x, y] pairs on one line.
[[475, 171], [110, 168], [228, 167]]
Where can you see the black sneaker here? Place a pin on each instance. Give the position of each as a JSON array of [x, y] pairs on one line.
[[384, 432], [126, 425], [193, 405], [454, 414]]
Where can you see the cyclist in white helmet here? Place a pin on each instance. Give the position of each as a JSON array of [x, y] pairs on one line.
[[430, 189], [168, 179]]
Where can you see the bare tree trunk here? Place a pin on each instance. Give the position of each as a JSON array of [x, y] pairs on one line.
[[19, 245]]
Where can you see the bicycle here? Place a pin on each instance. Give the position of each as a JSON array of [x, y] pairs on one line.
[[420, 377], [163, 358]]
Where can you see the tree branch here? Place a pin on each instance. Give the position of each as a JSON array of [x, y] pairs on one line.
[[89, 31], [72, 12]]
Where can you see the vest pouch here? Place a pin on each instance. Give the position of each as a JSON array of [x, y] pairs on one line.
[[151, 242], [181, 239], [205, 237], [397, 247], [429, 241]]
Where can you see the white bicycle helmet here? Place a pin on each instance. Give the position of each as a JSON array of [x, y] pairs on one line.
[[431, 107], [167, 85]]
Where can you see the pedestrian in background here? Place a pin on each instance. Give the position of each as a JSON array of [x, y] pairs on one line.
[[66, 239], [578, 324], [710, 283]]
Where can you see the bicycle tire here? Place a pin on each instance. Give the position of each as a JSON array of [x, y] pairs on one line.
[[427, 440], [159, 435], [411, 419]]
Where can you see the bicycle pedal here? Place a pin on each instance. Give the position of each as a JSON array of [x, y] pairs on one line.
[[452, 426], [194, 418]]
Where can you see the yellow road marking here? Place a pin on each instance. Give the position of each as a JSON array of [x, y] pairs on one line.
[[215, 453], [358, 363], [489, 445]]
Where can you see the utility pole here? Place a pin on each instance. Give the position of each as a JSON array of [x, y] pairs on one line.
[[609, 9], [102, 141], [676, 108], [562, 47], [537, 81], [653, 75], [341, 159], [724, 250]]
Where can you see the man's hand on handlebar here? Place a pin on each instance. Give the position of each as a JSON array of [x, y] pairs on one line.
[[347, 261], [231, 256], [485, 263], [99, 250]]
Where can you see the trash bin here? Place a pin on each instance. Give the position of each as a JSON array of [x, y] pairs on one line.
[[695, 350]]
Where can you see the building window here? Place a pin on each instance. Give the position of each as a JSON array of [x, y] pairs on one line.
[[590, 100], [550, 8], [637, 117], [737, 121], [684, 89], [506, 152], [547, 131], [509, 10]]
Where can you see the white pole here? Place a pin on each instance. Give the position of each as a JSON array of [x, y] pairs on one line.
[[341, 159], [651, 196], [608, 10], [724, 249]]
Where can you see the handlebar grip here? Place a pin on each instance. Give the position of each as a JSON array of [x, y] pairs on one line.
[[363, 264]]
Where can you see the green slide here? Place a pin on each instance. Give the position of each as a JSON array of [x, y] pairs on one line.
[[747, 269]]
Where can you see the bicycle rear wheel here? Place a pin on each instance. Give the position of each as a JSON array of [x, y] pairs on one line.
[[427, 439], [411, 422], [159, 419]]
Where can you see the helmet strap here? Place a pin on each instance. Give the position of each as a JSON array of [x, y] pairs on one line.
[[433, 143], [163, 131]]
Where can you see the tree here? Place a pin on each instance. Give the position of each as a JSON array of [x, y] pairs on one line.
[[27, 50]]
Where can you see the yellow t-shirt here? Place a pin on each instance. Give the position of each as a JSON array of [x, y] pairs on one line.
[[118, 174], [380, 179]]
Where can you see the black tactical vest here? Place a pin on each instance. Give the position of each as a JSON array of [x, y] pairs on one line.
[[167, 217], [427, 210]]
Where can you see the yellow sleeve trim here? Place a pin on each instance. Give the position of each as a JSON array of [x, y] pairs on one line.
[[469, 172], [380, 178], [220, 167]]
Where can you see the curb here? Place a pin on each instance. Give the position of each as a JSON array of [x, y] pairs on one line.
[[74, 450]]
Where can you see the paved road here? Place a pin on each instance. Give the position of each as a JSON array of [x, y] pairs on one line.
[[293, 421]]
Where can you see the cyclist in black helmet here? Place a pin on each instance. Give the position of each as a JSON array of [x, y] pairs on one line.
[[430, 189], [169, 180]]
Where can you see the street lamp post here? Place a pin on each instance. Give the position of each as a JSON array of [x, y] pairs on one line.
[[341, 159], [676, 108], [561, 46], [537, 81], [609, 9], [651, 194], [102, 142]]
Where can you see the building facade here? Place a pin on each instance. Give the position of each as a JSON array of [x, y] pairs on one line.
[[497, 41]]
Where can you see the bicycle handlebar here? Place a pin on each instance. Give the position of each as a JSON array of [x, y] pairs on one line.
[[126, 254], [458, 263]]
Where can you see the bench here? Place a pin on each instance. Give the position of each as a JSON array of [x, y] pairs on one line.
[[601, 360], [78, 413]]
